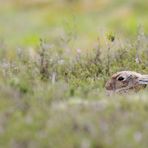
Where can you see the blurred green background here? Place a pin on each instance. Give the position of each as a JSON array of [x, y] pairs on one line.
[[23, 23]]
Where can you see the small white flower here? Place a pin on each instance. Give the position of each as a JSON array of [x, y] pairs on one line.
[[138, 136], [78, 50], [51, 60], [60, 62]]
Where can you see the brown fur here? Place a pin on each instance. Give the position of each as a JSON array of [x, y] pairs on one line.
[[125, 81]]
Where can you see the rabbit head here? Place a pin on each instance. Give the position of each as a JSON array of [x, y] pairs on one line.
[[125, 81]]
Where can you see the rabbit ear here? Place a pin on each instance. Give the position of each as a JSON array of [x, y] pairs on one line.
[[143, 79]]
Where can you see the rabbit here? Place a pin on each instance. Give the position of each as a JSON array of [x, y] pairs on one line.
[[125, 81]]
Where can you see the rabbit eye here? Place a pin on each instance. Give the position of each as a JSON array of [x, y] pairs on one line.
[[120, 78]]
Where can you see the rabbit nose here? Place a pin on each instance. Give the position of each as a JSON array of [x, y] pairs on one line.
[[109, 86]]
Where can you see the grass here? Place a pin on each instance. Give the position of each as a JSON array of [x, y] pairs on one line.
[[52, 77], [50, 21], [56, 98]]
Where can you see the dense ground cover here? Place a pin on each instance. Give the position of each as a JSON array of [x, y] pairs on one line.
[[53, 67]]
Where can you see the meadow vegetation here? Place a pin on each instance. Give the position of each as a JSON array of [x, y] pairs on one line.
[[54, 62]]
